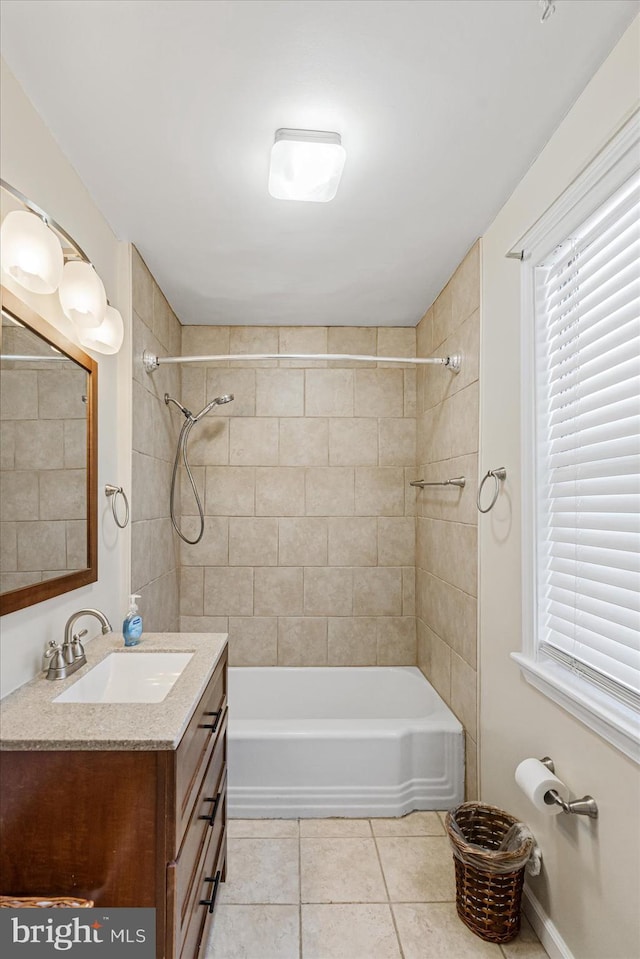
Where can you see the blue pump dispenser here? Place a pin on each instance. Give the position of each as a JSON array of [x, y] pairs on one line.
[[132, 625]]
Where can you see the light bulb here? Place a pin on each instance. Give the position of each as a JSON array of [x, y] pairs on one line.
[[31, 252], [306, 165], [82, 295], [106, 338]]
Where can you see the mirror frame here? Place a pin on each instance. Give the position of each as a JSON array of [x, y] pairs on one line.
[[38, 592]]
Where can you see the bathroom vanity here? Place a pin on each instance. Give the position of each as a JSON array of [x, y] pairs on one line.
[[122, 803]]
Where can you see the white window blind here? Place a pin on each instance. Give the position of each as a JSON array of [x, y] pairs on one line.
[[587, 383]]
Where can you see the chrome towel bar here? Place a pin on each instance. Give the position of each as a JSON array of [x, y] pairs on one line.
[[458, 481]]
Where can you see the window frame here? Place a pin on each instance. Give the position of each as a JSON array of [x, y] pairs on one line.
[[615, 722]]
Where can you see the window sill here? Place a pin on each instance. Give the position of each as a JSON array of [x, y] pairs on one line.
[[614, 722]]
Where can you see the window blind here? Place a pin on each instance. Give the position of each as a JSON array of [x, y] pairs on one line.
[[587, 381]]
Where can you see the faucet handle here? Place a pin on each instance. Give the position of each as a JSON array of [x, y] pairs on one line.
[[50, 651], [76, 646]]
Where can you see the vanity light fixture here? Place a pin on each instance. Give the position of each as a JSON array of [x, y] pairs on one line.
[[31, 252], [39, 255], [306, 165]]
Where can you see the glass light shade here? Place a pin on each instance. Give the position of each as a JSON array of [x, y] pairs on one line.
[[306, 165], [31, 252], [82, 295], [106, 338]]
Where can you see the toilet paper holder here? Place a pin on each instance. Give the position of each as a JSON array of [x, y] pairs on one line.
[[586, 806]]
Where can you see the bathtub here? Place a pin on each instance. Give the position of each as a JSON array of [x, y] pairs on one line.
[[349, 741]]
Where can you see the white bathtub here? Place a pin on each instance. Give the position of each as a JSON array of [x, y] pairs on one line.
[[352, 741]]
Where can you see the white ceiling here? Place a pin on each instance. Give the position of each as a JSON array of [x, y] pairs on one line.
[[168, 109]]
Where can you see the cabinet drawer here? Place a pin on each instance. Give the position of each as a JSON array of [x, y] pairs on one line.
[[197, 745], [197, 909]]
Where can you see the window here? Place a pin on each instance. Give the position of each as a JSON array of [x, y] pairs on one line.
[[582, 431]]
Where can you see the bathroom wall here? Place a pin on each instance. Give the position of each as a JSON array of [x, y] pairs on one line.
[[586, 899], [447, 518], [154, 545], [308, 555], [33, 163], [43, 457]]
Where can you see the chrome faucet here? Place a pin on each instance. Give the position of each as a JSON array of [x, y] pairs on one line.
[[61, 661]]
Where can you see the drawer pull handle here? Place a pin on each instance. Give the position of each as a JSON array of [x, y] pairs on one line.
[[212, 726], [212, 817], [216, 882]]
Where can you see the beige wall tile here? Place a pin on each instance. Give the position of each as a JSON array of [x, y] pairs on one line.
[[451, 614], [279, 393], [20, 497], [379, 392], [253, 641], [304, 442], [41, 546], [60, 395], [353, 541], [240, 383], [278, 591], [396, 641], [159, 603], [153, 549], [396, 341], [328, 591], [205, 341], [39, 445], [465, 286], [141, 288], [164, 320], [423, 636], [191, 590], [329, 392], [228, 591], [253, 339], [353, 442], [379, 491], [410, 392], [409, 591], [204, 624], [76, 536], [329, 491], [440, 676], [209, 442], [451, 549], [303, 541], [448, 502], [193, 387], [359, 340], [8, 444], [377, 592], [253, 442], [302, 641], [442, 321], [75, 444], [352, 641], [424, 334], [464, 693], [303, 339], [464, 414], [397, 442], [396, 540], [230, 491], [280, 491], [63, 494], [253, 541]]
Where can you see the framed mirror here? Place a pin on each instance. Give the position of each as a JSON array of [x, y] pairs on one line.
[[48, 460]]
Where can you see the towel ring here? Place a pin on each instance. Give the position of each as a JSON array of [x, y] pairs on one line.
[[497, 475], [114, 492]]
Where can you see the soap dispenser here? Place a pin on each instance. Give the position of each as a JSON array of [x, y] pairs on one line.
[[132, 625]]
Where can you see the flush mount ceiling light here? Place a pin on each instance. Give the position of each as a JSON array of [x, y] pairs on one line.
[[42, 257], [306, 165]]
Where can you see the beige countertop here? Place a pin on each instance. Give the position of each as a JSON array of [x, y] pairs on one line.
[[29, 719]]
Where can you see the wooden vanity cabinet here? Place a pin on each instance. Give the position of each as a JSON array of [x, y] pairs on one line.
[[125, 827]]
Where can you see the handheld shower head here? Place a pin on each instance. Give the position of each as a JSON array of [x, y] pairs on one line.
[[218, 401]]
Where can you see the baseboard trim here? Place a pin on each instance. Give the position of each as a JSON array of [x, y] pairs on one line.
[[546, 930]]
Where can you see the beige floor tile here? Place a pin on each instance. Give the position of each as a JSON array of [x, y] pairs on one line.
[[348, 932], [340, 870], [254, 932], [434, 929], [526, 945], [414, 824], [417, 869], [261, 871], [335, 829], [263, 828]]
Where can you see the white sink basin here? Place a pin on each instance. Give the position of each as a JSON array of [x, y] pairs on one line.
[[128, 678]]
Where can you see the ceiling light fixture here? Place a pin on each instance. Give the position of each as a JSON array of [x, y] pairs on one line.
[[306, 165], [42, 257]]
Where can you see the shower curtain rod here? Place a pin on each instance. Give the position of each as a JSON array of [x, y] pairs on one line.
[[151, 361]]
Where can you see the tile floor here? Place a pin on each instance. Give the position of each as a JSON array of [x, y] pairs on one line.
[[346, 889]]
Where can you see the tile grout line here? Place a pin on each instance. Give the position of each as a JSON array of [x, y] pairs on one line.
[[384, 879]]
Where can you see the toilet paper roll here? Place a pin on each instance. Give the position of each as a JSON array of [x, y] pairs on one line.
[[535, 781]]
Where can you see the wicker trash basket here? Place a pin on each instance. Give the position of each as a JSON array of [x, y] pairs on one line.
[[44, 902], [489, 878]]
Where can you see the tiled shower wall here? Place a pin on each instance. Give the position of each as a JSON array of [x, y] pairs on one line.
[[154, 551], [308, 554], [447, 521]]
